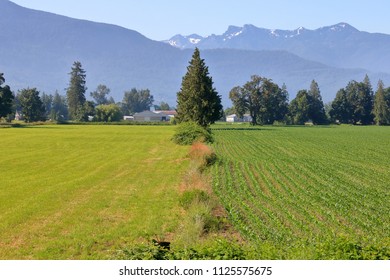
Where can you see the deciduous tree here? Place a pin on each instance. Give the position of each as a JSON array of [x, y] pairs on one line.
[[163, 106], [100, 95], [135, 101], [108, 113], [265, 101], [300, 107], [32, 106]]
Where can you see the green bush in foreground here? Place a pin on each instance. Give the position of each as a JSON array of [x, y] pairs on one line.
[[189, 132]]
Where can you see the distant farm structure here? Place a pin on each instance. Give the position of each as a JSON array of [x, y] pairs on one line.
[[152, 116]]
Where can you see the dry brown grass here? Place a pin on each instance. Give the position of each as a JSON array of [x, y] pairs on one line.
[[202, 220]]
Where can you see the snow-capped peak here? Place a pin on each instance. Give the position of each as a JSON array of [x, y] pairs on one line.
[[180, 41], [252, 35], [342, 26]]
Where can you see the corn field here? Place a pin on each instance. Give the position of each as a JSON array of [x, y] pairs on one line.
[[300, 190]]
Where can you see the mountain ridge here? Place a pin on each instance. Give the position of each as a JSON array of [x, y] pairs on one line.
[[39, 48], [338, 45]]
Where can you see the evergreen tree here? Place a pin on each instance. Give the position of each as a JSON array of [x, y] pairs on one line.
[[32, 106], [317, 110], [76, 92], [354, 104], [308, 105], [360, 98], [47, 100], [197, 100], [59, 110], [6, 98], [283, 103], [381, 105], [366, 102], [341, 108]]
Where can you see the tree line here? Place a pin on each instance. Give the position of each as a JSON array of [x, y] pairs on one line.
[[267, 103], [198, 101], [35, 106]]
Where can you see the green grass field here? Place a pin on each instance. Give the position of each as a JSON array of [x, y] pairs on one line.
[[84, 192], [88, 192], [307, 192]]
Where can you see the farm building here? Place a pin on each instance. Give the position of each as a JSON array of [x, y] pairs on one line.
[[128, 118], [247, 118], [18, 116], [171, 113], [234, 118], [149, 116]]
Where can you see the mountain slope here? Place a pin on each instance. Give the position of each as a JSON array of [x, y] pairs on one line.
[[339, 45], [38, 49]]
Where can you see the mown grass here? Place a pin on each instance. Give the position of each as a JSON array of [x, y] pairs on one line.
[[85, 192], [307, 192]]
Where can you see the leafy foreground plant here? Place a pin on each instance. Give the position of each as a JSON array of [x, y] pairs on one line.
[[188, 133], [220, 249]]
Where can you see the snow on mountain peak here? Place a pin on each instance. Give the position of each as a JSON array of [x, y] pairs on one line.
[[274, 33], [342, 26], [249, 31], [194, 41]]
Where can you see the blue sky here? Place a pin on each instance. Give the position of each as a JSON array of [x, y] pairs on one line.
[[161, 19]]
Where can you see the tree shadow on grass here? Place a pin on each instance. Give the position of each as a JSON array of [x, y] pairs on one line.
[[35, 126]]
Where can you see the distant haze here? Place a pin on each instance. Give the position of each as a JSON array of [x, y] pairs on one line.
[[39, 48]]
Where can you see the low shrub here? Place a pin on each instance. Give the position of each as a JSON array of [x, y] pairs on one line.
[[190, 196], [188, 133]]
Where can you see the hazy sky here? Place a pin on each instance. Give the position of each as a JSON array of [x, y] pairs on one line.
[[161, 19]]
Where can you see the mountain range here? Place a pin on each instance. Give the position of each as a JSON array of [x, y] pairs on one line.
[[339, 45], [38, 49]]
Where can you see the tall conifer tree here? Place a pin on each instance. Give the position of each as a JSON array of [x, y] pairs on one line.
[[6, 98], [197, 100], [76, 92], [381, 106], [317, 110]]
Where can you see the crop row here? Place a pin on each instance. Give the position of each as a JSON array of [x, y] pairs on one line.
[[281, 186]]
